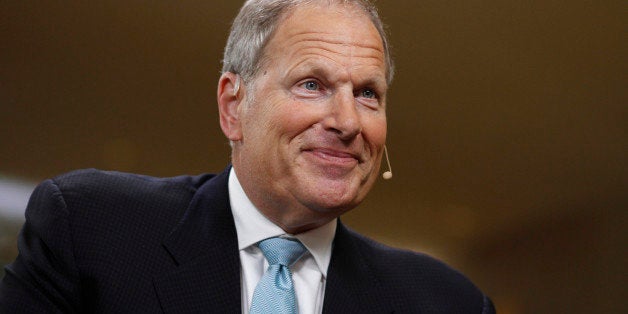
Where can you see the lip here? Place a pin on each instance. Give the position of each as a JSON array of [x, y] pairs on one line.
[[333, 156]]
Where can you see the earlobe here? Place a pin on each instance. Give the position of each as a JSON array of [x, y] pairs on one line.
[[229, 100]]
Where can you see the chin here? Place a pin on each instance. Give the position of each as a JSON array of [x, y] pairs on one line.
[[336, 197], [334, 193]]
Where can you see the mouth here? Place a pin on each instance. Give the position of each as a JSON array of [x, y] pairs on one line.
[[333, 157]]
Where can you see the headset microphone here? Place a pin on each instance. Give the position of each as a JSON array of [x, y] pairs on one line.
[[388, 174]]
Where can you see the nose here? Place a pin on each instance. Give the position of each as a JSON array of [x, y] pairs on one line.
[[343, 118]]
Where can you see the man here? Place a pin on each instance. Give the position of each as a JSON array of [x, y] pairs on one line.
[[302, 99]]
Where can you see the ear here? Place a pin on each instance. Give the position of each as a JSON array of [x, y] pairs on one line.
[[229, 100]]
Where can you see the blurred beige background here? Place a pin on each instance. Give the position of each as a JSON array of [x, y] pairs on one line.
[[508, 129]]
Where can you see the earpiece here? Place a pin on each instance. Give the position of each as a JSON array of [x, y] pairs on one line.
[[236, 87], [388, 174]]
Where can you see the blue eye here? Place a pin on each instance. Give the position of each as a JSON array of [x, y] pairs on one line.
[[369, 93], [310, 85]]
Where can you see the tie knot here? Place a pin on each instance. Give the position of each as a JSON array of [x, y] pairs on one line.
[[282, 251]]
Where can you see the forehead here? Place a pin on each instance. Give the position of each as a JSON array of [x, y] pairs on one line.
[[329, 18], [341, 28]]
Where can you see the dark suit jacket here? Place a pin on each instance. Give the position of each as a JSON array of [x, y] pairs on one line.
[[110, 242]]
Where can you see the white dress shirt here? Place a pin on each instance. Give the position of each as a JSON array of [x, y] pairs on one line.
[[308, 273]]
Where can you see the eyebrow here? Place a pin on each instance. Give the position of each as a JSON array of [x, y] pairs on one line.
[[325, 71]]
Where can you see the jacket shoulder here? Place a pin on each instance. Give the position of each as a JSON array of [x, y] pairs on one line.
[[416, 280], [92, 179], [92, 236], [95, 196]]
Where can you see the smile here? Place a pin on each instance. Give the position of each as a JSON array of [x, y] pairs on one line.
[[333, 157]]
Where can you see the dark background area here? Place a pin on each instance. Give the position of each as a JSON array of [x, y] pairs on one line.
[[508, 127]]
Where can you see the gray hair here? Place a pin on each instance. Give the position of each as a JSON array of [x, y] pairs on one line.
[[258, 20]]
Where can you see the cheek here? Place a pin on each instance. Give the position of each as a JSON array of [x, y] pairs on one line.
[[374, 130], [296, 118], [260, 119]]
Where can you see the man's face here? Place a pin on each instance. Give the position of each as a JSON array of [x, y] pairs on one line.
[[313, 131]]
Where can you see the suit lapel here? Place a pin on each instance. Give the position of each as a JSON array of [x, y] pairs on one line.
[[205, 276], [351, 285]]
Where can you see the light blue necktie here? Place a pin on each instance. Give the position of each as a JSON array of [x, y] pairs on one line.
[[275, 291]]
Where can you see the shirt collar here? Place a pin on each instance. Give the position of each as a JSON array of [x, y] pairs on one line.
[[252, 226]]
